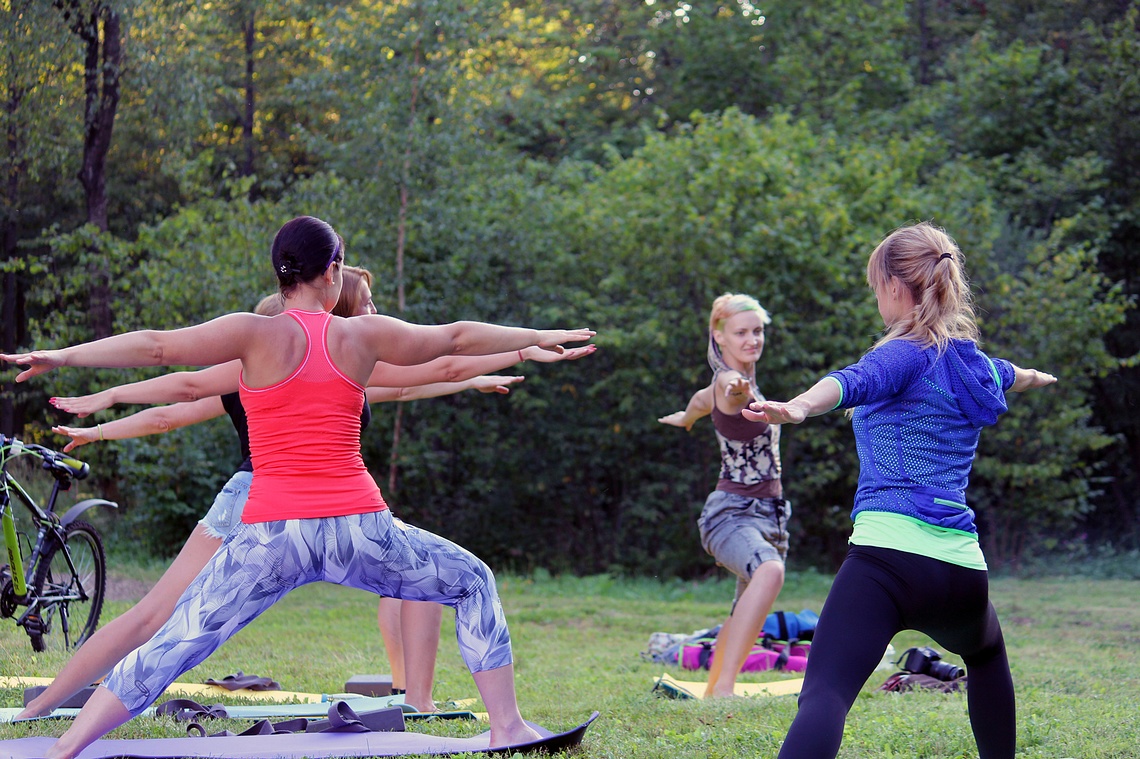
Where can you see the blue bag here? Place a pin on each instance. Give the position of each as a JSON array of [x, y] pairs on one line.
[[783, 625]]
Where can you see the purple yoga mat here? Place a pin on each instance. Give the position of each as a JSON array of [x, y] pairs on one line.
[[291, 746]]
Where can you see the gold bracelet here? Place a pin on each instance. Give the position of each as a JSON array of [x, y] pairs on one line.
[[100, 428]]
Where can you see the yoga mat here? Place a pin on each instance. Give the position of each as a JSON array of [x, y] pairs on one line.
[[295, 746], [201, 691], [688, 689], [277, 711]]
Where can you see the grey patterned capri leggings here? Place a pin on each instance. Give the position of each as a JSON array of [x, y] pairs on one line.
[[259, 563]]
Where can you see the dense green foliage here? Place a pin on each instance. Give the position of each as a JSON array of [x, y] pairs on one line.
[[615, 165]]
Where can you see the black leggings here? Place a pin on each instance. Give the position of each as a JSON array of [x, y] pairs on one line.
[[877, 593]]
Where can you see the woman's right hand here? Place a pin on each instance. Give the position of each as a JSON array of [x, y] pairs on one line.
[[676, 419], [737, 387], [83, 405], [79, 436]]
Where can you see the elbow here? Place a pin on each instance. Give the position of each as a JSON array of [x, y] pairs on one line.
[[191, 386], [462, 341], [446, 369], [190, 393], [154, 350], [452, 373]]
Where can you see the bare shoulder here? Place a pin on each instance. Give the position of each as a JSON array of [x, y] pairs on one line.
[[241, 322], [373, 323], [377, 330]]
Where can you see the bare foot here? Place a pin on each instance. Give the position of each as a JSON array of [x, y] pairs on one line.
[[720, 694], [55, 752], [423, 708], [514, 736]]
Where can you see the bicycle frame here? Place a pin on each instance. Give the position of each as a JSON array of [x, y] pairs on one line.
[[11, 540], [51, 539], [44, 520], [40, 517]]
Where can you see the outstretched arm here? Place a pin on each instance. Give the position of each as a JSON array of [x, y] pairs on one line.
[[826, 394], [700, 405], [821, 398], [152, 421], [215, 342], [182, 387], [398, 342], [459, 368], [176, 387], [488, 383]]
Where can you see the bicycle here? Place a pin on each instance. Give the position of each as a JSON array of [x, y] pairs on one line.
[[67, 564]]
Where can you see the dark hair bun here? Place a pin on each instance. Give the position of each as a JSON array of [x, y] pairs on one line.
[[302, 250]]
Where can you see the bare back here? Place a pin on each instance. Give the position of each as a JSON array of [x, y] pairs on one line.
[[275, 346]]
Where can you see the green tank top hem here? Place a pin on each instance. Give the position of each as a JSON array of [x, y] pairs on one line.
[[902, 533]]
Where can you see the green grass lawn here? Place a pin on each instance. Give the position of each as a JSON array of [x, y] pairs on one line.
[[1073, 647]]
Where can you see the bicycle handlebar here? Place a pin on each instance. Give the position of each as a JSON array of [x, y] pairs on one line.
[[53, 460]]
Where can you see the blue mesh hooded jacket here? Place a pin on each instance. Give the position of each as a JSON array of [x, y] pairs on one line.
[[917, 418]]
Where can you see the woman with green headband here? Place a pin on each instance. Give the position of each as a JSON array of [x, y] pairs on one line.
[[744, 523]]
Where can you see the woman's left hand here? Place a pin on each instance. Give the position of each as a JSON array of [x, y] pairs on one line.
[[495, 383], [552, 339], [79, 436], [544, 356], [34, 363], [774, 412], [1026, 379]]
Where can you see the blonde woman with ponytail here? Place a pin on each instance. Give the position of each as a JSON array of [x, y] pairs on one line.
[[744, 523], [920, 396]]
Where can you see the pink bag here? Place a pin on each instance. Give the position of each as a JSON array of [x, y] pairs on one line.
[[764, 656], [698, 654]]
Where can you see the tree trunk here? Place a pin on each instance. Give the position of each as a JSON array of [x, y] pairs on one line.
[[101, 33], [925, 45], [102, 68], [401, 237], [249, 31], [11, 308]]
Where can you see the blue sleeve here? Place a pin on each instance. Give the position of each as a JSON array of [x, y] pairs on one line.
[[1004, 374], [883, 373]]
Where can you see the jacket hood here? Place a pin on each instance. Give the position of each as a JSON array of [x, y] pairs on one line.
[[979, 392]]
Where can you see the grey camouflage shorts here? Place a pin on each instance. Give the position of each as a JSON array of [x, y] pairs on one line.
[[741, 533]]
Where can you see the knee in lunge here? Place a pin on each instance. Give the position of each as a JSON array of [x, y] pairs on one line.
[[992, 651], [481, 629], [766, 569]]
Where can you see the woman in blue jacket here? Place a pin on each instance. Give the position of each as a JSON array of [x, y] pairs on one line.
[[920, 398]]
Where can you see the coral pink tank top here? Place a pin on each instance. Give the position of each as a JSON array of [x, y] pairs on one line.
[[304, 439]]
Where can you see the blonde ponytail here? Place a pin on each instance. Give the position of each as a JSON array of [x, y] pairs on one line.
[[928, 262]]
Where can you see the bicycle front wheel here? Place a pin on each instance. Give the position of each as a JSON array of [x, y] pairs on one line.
[[71, 600]]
